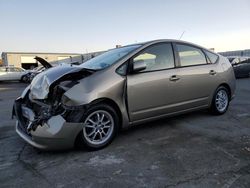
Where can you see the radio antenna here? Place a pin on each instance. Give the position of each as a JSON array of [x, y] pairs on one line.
[[182, 35]]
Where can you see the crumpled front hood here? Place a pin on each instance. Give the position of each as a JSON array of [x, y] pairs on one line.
[[40, 85]]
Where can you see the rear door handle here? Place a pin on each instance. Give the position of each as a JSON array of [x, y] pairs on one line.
[[174, 78], [212, 72]]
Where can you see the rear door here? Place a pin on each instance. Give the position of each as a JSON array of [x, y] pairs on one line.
[[198, 76], [151, 92]]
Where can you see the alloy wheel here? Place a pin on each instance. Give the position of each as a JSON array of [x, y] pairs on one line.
[[98, 127], [221, 100]]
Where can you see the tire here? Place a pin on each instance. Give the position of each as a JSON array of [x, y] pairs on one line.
[[98, 134], [21, 80], [220, 102], [24, 79]]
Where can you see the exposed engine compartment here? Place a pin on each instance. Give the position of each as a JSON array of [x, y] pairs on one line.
[[44, 109]]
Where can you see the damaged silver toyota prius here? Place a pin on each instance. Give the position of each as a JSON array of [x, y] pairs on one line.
[[86, 105]]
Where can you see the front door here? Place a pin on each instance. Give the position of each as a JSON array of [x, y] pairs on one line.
[[151, 92]]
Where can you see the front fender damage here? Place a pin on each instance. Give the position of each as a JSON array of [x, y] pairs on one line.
[[41, 101], [43, 84], [55, 116], [51, 132]]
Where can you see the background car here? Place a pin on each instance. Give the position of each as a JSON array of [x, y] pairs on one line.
[[34, 72], [9, 73], [241, 66], [44, 66]]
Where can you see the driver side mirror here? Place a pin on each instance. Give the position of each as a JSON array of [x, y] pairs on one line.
[[139, 65]]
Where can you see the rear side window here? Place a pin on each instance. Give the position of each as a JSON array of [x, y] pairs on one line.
[[190, 55], [212, 57]]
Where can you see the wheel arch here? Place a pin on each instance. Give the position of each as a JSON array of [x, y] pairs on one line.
[[106, 101], [228, 88], [111, 103], [21, 78]]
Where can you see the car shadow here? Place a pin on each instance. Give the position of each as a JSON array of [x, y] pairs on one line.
[[167, 121], [132, 132]]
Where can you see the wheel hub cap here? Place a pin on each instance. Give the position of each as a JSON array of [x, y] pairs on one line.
[[221, 100], [98, 127]]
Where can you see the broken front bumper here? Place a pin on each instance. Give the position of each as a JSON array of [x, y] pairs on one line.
[[54, 134]]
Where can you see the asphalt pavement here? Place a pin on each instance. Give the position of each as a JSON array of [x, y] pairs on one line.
[[191, 150]]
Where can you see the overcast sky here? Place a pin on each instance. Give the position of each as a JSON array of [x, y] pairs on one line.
[[82, 26]]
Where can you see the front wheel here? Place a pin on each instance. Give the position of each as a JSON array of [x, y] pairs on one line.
[[220, 101], [100, 127]]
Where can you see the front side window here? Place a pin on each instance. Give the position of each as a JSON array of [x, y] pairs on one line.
[[157, 57], [108, 58], [190, 55]]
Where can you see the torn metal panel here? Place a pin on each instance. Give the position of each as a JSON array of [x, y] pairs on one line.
[[41, 84]]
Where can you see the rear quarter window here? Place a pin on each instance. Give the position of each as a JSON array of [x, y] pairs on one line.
[[212, 57]]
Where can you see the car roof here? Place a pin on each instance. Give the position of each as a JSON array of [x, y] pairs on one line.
[[168, 40]]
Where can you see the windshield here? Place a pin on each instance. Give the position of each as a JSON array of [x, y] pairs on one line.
[[108, 58]]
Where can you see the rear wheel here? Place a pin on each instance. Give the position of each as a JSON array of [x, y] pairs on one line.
[[100, 127], [220, 101]]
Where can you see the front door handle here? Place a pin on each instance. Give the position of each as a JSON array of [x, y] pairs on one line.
[[174, 78], [212, 72]]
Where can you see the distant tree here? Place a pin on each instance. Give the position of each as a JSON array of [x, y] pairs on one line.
[[1, 62]]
